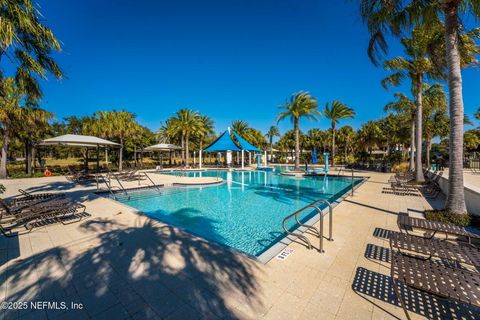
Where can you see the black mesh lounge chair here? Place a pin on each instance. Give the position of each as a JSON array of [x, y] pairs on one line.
[[19, 203], [2, 188], [401, 189], [35, 196], [60, 210], [405, 222], [81, 176], [444, 282], [458, 252]]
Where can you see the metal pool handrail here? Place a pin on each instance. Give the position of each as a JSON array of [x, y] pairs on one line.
[[319, 232]]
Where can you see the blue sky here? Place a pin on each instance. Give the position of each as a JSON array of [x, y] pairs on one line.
[[230, 59]]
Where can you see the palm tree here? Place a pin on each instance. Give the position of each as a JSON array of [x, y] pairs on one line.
[[416, 67], [435, 119], [35, 126], [477, 115], [335, 112], [204, 129], [370, 135], [186, 122], [398, 15], [29, 45], [300, 105], [241, 127], [404, 105], [271, 133], [346, 137], [120, 125]]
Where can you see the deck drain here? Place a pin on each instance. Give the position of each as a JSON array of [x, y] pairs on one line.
[[284, 254]]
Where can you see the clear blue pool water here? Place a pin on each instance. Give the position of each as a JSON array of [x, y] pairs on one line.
[[245, 213]]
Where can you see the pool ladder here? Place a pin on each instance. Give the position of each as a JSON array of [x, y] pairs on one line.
[[319, 232]]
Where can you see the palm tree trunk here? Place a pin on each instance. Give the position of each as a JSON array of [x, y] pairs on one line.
[[120, 156], [186, 150], [27, 157], [429, 149], [297, 144], [333, 144], [411, 165], [456, 195], [3, 157], [183, 149], [419, 117]]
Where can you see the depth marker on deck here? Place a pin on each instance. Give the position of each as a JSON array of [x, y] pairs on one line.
[[284, 254]]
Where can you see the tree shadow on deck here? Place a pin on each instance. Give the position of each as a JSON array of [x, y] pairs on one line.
[[147, 271]]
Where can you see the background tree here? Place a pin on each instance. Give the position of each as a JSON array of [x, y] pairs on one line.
[[416, 66], [336, 111], [118, 125], [35, 126], [185, 122], [477, 114], [435, 118], [346, 138], [241, 127], [370, 136], [272, 133], [205, 129], [10, 118], [300, 105], [404, 105]]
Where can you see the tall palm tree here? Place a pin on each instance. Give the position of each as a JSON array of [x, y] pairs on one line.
[[398, 15], [336, 111], [300, 105], [416, 66], [29, 46], [271, 133], [404, 105], [186, 122]]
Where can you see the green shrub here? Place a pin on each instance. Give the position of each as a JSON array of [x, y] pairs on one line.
[[445, 216]]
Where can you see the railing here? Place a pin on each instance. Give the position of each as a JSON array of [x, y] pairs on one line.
[[120, 185], [314, 206], [150, 179]]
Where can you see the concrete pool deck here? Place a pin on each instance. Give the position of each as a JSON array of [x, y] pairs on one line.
[[121, 265]]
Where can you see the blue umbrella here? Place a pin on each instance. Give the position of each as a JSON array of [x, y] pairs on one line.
[[314, 156]]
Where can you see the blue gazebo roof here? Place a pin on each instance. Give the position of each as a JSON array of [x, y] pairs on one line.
[[225, 143]]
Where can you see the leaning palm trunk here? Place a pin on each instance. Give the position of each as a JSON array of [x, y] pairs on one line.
[[456, 197], [3, 157], [297, 144], [418, 156], [411, 165]]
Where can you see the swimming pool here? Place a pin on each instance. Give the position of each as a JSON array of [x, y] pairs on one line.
[[245, 212]]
